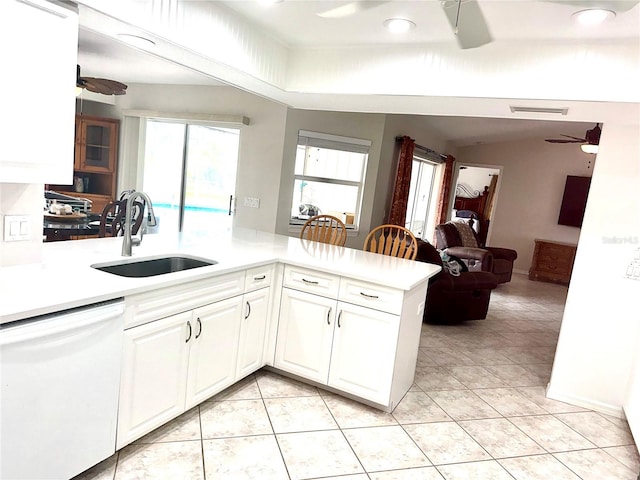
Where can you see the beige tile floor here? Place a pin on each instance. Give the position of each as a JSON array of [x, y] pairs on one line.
[[477, 411]]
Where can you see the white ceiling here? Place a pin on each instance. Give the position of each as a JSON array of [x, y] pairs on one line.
[[297, 25], [297, 22]]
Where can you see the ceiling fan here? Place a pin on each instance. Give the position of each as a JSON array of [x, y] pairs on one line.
[[465, 17], [100, 85], [468, 23], [592, 137]]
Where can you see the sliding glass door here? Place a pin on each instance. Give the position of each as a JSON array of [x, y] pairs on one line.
[[190, 174]]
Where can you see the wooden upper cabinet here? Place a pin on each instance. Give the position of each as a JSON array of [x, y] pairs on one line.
[[96, 146]]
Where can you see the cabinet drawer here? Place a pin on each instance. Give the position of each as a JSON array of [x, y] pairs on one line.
[[557, 269], [558, 261], [371, 295], [257, 278], [311, 281], [146, 307]]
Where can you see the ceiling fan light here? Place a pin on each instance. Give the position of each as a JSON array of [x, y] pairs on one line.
[[589, 148], [593, 16], [399, 25]]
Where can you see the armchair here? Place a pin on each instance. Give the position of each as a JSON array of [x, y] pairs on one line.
[[452, 299], [460, 240]]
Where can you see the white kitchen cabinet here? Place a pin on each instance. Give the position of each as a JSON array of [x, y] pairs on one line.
[[39, 65], [214, 349], [252, 332], [153, 386], [305, 334], [363, 352], [174, 361], [357, 337]]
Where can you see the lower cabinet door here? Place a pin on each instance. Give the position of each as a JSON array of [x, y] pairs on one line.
[[152, 389], [252, 332], [364, 350], [214, 349], [305, 332]]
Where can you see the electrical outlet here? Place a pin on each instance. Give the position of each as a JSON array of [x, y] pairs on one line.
[[251, 202], [16, 228]]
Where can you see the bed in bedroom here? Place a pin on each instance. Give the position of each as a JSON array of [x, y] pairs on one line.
[[470, 206]]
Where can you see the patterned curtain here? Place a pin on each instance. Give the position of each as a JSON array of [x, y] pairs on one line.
[[398, 211], [445, 191]]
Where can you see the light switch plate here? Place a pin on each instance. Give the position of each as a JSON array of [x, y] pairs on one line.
[[251, 202], [16, 228]]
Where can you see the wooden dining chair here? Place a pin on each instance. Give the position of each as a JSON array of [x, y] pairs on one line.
[[113, 218], [325, 229], [392, 240]]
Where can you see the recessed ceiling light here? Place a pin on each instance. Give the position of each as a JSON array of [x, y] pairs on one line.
[[136, 40], [399, 25], [593, 16]]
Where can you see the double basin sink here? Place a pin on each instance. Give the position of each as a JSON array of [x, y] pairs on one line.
[[150, 267]]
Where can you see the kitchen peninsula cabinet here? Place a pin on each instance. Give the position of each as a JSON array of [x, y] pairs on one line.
[[346, 334], [174, 363]]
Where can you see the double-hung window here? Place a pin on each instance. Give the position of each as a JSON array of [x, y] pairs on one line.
[[328, 177]]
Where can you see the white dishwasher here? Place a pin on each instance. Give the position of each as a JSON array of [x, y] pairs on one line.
[[60, 379]]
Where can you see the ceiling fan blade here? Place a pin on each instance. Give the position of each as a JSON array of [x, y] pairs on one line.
[[468, 22], [350, 8], [578, 139], [103, 86], [561, 140]]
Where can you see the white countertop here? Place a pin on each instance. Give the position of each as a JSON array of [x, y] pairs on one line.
[[64, 278]]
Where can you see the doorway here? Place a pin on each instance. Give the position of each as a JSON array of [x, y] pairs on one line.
[[476, 189], [190, 174]]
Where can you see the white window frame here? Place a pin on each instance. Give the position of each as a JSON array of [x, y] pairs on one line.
[[311, 139], [423, 160]]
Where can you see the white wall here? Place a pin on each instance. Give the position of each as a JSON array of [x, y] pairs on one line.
[[260, 153], [476, 177], [22, 199], [530, 191], [599, 334], [356, 125]]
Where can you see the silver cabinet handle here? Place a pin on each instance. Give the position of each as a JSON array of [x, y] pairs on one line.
[[199, 328], [248, 310], [368, 296], [339, 317], [329, 315], [189, 337], [310, 282], [261, 277]]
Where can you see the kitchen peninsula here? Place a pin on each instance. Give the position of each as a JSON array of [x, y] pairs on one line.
[[345, 320]]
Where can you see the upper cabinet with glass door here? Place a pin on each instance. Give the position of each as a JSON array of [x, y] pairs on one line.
[[96, 144]]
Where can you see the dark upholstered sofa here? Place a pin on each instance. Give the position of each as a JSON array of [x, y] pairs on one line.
[[452, 299], [498, 261]]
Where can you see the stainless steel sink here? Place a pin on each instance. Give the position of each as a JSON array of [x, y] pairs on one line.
[[152, 266]]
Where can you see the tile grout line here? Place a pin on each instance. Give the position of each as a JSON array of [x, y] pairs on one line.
[[275, 436]]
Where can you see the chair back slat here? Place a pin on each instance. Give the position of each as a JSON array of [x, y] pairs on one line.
[[325, 229], [392, 240]]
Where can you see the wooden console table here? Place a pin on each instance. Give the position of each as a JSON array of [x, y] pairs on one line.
[[552, 261]]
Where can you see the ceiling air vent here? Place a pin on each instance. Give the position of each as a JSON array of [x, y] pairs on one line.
[[558, 111]]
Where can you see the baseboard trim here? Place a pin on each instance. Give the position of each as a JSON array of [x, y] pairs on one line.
[[600, 407], [521, 272]]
